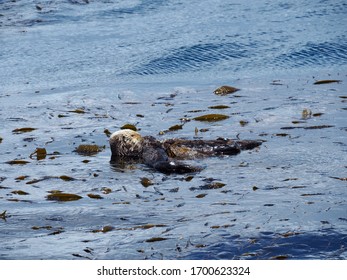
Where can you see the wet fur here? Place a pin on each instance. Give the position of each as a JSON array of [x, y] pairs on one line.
[[129, 145]]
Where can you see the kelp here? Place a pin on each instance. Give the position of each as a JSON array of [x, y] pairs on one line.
[[21, 178], [211, 118], [155, 239], [94, 196], [224, 90], [19, 192], [23, 130], [17, 161], [175, 127], [243, 122], [3, 215], [60, 196], [306, 114], [88, 150], [321, 82], [219, 107], [107, 132], [129, 126], [104, 229], [78, 111], [66, 178], [146, 182], [40, 153]]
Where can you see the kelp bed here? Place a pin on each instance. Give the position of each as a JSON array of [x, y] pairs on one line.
[[61, 199]]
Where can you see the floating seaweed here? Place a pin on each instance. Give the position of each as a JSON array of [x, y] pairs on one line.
[[175, 127], [40, 153], [276, 83], [21, 178], [306, 114], [78, 111], [224, 90], [94, 196], [148, 226], [320, 82], [201, 195], [88, 150], [19, 192], [23, 130], [312, 194], [243, 123], [106, 190], [3, 215], [66, 178], [17, 161], [211, 118], [129, 126], [307, 127], [209, 186], [339, 178], [318, 126], [289, 234], [104, 229], [219, 107], [59, 196], [41, 227], [155, 239], [146, 182], [107, 132], [1, 140]]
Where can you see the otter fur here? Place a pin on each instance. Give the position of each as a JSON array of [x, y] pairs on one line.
[[165, 156]]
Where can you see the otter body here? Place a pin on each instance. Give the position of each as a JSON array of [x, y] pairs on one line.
[[162, 155]]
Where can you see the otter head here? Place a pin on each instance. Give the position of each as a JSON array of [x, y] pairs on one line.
[[126, 143]]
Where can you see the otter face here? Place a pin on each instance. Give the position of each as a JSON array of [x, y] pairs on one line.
[[126, 143]]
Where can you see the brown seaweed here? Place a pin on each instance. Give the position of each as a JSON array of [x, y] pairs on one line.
[[320, 82], [88, 150], [78, 111], [59, 196], [129, 126], [17, 161], [23, 130], [219, 107], [175, 127], [211, 118], [224, 90], [146, 182], [155, 239], [40, 153], [94, 196], [19, 192]]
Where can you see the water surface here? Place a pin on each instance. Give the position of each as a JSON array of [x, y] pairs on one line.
[[73, 69]]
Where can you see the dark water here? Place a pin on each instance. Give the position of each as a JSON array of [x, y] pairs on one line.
[[153, 64]]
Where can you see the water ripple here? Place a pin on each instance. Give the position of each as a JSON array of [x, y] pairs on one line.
[[315, 54], [194, 57]]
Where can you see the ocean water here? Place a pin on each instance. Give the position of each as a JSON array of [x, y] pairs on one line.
[[71, 69]]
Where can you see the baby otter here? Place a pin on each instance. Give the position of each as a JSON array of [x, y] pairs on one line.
[[127, 144]]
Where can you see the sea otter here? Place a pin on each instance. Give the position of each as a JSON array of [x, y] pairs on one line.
[[129, 145]]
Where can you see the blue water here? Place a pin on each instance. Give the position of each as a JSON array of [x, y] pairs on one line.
[[152, 63]]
